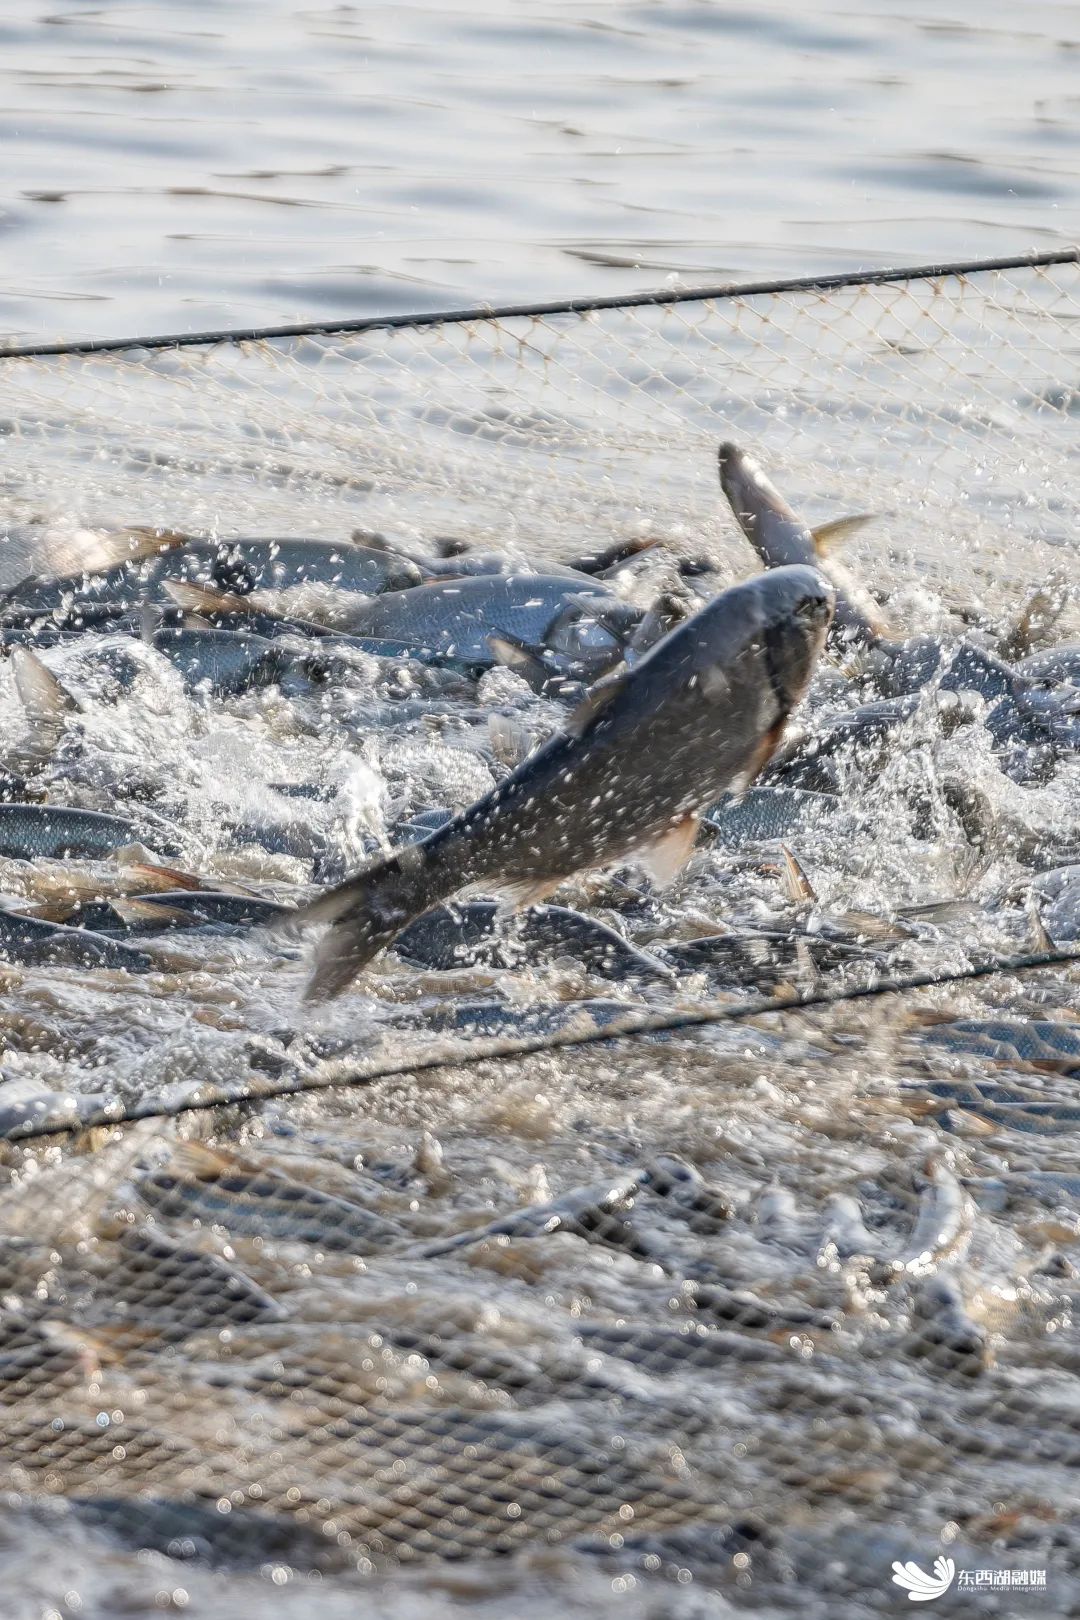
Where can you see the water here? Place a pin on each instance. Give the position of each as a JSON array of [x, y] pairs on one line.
[[197, 164]]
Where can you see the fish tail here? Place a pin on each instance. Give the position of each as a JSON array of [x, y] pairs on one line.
[[368, 911]]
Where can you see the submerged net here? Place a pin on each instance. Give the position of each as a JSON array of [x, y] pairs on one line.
[[736, 1318]]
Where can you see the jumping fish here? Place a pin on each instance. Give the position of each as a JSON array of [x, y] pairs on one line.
[[638, 762], [781, 538], [899, 667]]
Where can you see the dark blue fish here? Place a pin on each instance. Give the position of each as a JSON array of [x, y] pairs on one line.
[[49, 832], [478, 932], [33, 942]]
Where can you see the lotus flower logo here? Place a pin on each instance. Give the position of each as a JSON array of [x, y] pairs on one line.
[[921, 1587]]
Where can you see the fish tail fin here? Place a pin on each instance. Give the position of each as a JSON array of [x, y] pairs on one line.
[[828, 536], [366, 913]]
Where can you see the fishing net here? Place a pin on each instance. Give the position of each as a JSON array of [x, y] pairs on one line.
[[719, 1322]]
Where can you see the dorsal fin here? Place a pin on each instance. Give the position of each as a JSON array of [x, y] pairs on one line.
[[1044, 941], [827, 536], [206, 599], [596, 700], [40, 693], [797, 885]]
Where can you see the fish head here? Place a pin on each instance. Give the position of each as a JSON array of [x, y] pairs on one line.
[[795, 608], [591, 632], [776, 533]]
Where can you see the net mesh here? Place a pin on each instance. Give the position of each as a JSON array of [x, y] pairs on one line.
[[740, 1319]]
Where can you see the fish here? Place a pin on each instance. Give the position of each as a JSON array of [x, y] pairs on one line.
[[1059, 666], [89, 596], [456, 617], [595, 1213], [200, 908], [334, 652], [229, 611], [249, 1197], [1034, 1040], [469, 935], [46, 831], [248, 563], [224, 662], [763, 814], [942, 1229], [30, 940], [187, 1528], [898, 667], [491, 1018], [456, 560], [630, 775], [113, 580], [781, 538], [150, 1274], [60, 891], [26, 1109]]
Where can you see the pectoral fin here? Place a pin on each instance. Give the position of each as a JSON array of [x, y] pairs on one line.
[[596, 701], [665, 856], [132, 910]]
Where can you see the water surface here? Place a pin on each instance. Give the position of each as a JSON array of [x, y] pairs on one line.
[[193, 164]]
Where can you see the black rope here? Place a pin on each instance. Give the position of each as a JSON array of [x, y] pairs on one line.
[[569, 306], [486, 1051]]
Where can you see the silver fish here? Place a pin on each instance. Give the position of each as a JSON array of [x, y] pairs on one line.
[[457, 617], [781, 538], [638, 762], [283, 563]]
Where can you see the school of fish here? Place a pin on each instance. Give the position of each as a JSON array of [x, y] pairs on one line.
[[270, 806]]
